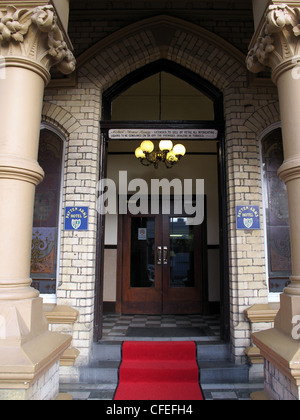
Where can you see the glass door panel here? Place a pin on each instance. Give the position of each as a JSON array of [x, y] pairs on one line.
[[142, 273], [182, 273]]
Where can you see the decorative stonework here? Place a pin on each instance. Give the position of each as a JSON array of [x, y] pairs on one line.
[[34, 35], [278, 44], [11, 26]]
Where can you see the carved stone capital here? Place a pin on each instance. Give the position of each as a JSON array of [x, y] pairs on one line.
[[33, 36], [278, 43]]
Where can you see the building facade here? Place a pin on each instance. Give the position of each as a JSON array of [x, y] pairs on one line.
[[152, 70]]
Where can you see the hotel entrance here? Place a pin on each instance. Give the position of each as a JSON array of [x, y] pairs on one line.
[[164, 263], [157, 264]]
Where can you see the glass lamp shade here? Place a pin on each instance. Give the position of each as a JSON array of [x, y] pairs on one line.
[[179, 150], [139, 154], [147, 146], [166, 145]]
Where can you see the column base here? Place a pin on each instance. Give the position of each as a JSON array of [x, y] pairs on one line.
[[21, 366], [46, 387], [282, 363], [288, 315], [29, 352]]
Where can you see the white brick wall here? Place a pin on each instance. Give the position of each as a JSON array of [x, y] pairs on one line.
[[278, 386], [77, 111], [45, 388]]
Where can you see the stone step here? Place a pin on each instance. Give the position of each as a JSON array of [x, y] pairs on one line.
[[211, 352], [107, 351], [222, 372], [99, 372], [213, 359], [84, 391]]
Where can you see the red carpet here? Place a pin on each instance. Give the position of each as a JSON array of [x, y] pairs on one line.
[[159, 371]]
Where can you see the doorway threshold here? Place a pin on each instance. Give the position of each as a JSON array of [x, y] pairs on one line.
[[197, 328]]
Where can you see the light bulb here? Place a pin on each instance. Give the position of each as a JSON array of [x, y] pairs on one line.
[[147, 146], [179, 150], [139, 154], [166, 145]]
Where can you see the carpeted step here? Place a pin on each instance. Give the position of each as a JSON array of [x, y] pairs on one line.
[[138, 350], [159, 371], [160, 392]]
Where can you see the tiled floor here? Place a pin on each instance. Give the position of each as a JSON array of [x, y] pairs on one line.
[[211, 392], [115, 327], [237, 392]]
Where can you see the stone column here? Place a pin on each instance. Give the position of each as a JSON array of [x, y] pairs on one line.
[[277, 46], [31, 42]]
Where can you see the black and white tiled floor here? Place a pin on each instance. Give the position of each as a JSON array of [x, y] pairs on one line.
[[115, 326]]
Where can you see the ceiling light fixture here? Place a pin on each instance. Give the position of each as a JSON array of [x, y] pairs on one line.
[[167, 154]]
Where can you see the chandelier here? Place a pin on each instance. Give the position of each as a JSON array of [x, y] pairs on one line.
[[167, 153]]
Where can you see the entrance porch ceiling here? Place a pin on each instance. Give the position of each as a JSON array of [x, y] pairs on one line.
[[231, 20], [184, 4]]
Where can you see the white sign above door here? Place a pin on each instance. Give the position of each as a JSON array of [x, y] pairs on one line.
[[145, 134]]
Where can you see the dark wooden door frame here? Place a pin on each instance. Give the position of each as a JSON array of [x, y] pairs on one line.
[[98, 309], [225, 309], [169, 296], [218, 124], [224, 269]]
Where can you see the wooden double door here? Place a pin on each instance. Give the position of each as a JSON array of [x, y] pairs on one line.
[[164, 264]]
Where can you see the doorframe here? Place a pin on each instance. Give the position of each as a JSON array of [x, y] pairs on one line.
[[218, 124], [120, 254], [100, 245]]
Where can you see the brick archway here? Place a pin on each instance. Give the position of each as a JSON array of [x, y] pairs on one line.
[[162, 37]]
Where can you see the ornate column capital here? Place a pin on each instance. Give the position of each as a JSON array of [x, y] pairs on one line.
[[31, 38], [278, 43]]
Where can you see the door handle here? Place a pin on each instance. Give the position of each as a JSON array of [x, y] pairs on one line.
[[166, 255], [159, 255]]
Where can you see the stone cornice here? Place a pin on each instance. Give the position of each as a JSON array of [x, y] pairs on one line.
[[277, 45], [262, 312], [60, 314], [34, 35]]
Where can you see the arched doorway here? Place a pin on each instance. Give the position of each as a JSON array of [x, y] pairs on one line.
[[210, 253]]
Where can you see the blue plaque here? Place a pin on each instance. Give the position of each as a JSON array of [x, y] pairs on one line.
[[76, 218], [247, 217]]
